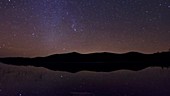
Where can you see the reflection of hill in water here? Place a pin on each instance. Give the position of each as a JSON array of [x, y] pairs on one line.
[[73, 62], [20, 73], [33, 81]]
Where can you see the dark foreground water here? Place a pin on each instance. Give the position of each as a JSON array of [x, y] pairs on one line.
[[31, 81]]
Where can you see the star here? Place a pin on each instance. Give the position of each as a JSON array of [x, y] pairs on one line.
[[75, 29], [33, 34]]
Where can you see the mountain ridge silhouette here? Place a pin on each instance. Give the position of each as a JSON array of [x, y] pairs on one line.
[[99, 62]]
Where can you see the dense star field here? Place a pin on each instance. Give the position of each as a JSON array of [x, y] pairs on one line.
[[43, 27]]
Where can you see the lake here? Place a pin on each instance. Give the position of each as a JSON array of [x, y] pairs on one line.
[[33, 81]]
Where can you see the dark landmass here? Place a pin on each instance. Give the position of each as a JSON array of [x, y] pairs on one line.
[[99, 62]]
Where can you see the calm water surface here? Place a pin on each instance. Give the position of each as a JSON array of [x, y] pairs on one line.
[[31, 81]]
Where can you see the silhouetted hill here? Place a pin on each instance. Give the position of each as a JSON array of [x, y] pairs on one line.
[[73, 62]]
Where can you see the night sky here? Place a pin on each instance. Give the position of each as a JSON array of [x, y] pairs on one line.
[[44, 27]]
